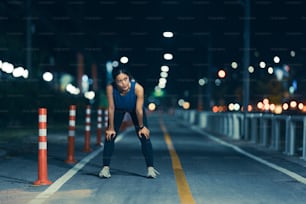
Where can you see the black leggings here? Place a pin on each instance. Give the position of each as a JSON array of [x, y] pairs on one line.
[[146, 145]]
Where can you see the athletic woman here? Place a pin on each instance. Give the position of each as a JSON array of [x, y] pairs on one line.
[[125, 95]]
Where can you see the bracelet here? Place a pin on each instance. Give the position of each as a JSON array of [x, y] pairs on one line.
[[141, 127]]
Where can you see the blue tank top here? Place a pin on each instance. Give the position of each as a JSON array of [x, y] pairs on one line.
[[126, 102]]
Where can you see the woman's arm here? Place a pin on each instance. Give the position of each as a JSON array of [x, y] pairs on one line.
[[110, 131], [139, 104], [139, 91]]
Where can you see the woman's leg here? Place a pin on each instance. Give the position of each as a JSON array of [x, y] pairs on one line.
[[109, 145], [146, 145], [147, 150]]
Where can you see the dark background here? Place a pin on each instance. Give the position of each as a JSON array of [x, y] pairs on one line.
[[208, 36]]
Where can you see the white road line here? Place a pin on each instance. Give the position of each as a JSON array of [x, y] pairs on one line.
[[53, 188], [40, 198], [292, 174]]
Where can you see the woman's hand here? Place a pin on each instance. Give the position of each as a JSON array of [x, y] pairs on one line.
[[109, 134], [144, 131]]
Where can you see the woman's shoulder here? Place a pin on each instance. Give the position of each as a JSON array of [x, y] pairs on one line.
[[110, 87], [136, 84], [138, 87]]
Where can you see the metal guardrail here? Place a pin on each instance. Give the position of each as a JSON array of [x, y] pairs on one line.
[[284, 133]]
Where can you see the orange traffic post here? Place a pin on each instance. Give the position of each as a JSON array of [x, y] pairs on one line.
[[87, 130], [105, 118], [42, 149], [71, 135], [99, 127]]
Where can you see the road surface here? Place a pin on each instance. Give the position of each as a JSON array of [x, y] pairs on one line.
[[194, 166]]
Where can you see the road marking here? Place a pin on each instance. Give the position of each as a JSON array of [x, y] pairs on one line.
[[292, 174], [181, 181], [53, 188]]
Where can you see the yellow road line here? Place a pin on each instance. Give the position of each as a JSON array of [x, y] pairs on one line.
[[182, 184]]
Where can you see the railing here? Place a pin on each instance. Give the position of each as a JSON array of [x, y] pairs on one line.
[[284, 133]]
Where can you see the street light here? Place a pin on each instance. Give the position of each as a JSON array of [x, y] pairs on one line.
[[124, 60], [246, 63], [221, 73], [168, 56], [168, 34], [47, 76]]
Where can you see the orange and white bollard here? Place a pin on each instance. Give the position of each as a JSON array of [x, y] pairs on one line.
[[71, 135], [105, 118], [99, 126], [42, 149], [87, 130]]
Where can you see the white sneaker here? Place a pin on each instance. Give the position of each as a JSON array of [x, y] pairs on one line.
[[104, 173], [152, 173]]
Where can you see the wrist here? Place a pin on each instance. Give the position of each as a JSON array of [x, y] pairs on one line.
[[141, 127]]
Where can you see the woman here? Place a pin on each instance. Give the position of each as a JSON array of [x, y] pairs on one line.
[[126, 95]]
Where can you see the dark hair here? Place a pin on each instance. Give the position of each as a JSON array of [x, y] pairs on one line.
[[118, 70]]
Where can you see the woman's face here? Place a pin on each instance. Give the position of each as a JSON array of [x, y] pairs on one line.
[[123, 82]]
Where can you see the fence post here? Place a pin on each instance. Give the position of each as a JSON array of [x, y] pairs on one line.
[[71, 134], [263, 131], [42, 149], [292, 148], [87, 130], [275, 140], [304, 138], [254, 129], [289, 138]]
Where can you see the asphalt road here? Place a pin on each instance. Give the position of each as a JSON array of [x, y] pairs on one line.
[[194, 166]]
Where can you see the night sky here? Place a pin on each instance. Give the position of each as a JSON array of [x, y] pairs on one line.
[[208, 35]]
